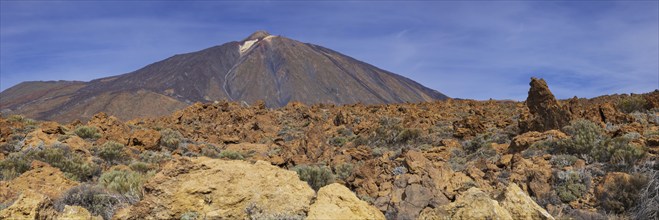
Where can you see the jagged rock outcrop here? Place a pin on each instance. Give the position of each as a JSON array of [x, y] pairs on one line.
[[335, 201], [222, 189], [546, 112]]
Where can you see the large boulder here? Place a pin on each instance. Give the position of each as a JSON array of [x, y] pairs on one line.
[[475, 204], [222, 189], [546, 112], [30, 205], [147, 138], [43, 178], [335, 201], [521, 206]]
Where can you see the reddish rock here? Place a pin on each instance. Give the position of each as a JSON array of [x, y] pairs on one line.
[[546, 112]]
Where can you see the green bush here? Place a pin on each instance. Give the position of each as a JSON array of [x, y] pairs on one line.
[[87, 132], [621, 195], [73, 165], [232, 155], [170, 138], [112, 152], [631, 104], [315, 176], [140, 167], [95, 199], [155, 157], [572, 185], [585, 136], [127, 183], [620, 151], [563, 160], [14, 165], [407, 135], [344, 171]]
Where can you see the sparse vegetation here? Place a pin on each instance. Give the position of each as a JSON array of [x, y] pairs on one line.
[[95, 199], [112, 152], [170, 139], [87, 132], [315, 176], [60, 156], [572, 185], [127, 183], [343, 171], [622, 194], [231, 155], [634, 103]]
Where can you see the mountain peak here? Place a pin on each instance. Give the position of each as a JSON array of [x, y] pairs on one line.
[[258, 35]]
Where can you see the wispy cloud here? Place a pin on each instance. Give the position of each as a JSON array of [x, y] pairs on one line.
[[474, 50]]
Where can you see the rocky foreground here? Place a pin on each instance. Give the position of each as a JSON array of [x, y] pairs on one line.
[[455, 159]]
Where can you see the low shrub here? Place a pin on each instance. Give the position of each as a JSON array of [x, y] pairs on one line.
[[634, 103], [232, 155], [622, 194], [127, 183], [112, 152], [647, 202], [344, 171], [140, 167], [155, 157], [621, 152], [14, 165], [315, 176], [95, 199], [73, 165], [87, 132], [572, 185], [563, 160], [170, 139], [585, 136], [407, 135]]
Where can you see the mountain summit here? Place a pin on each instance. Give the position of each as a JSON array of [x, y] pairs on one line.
[[265, 67]]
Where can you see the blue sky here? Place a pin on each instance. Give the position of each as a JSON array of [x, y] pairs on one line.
[[465, 49]]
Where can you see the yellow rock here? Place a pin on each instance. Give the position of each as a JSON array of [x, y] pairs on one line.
[[77, 213], [521, 206], [335, 201], [222, 189]]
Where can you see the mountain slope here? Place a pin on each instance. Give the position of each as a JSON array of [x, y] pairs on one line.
[[275, 69]]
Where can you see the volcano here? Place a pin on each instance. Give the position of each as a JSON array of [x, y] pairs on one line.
[[275, 69]]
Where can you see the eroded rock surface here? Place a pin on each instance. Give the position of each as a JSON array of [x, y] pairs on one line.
[[222, 189], [546, 112], [335, 201]]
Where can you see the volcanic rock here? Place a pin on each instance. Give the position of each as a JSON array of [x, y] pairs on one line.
[[335, 201], [222, 189], [546, 112]]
